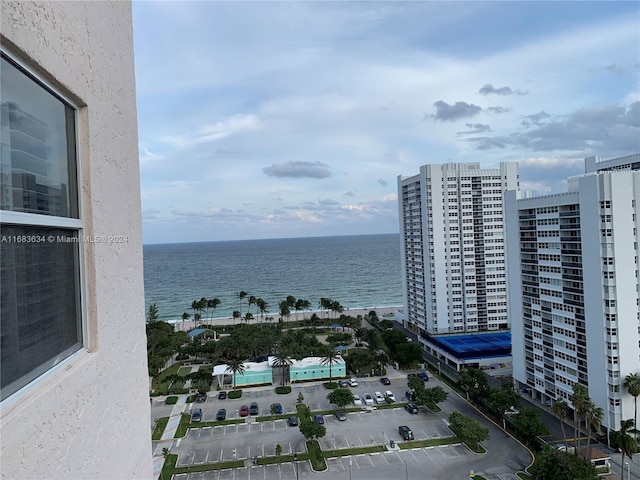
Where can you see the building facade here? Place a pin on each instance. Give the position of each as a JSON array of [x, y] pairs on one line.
[[73, 368], [452, 247], [573, 283]]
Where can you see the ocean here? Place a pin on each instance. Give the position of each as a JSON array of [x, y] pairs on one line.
[[360, 271]]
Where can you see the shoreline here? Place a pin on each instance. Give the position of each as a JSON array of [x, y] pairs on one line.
[[186, 325]]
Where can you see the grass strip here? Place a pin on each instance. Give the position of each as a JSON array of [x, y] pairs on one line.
[[344, 452], [168, 466], [171, 400], [434, 442], [160, 426], [209, 466]]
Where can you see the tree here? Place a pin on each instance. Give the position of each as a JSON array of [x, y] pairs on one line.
[[213, 304], [528, 425], [251, 301], [153, 313], [435, 395], [474, 381], [263, 306], [281, 359], [330, 358], [311, 429], [468, 430], [407, 354], [632, 384], [235, 366], [241, 295], [559, 465], [594, 416], [626, 443], [185, 316], [248, 316], [340, 397], [279, 452], [236, 315], [559, 409], [300, 397], [285, 311], [580, 399], [505, 398]]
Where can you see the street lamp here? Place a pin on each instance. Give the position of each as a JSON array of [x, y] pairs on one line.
[[626, 464], [439, 370], [350, 467], [295, 459]]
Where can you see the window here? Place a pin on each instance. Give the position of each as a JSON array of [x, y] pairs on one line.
[[41, 230]]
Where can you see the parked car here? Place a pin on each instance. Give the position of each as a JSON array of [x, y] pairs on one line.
[[222, 414], [424, 376], [277, 409], [319, 419], [405, 432], [411, 407], [368, 399], [353, 382], [196, 416], [378, 396], [201, 397], [356, 400], [385, 381], [343, 383], [341, 416], [254, 409], [293, 421], [412, 375], [512, 411], [389, 395], [411, 395], [244, 411], [222, 395]]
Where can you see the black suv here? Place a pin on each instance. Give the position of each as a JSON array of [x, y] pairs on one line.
[[254, 409], [405, 432], [411, 408]]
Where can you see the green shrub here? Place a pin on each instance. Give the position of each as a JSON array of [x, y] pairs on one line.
[[283, 390], [330, 385], [171, 400], [191, 398], [234, 394]]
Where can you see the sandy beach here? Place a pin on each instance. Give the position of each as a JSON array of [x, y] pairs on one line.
[[388, 312]]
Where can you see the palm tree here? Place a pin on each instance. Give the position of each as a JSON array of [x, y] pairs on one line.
[[263, 306], [594, 415], [626, 443], [306, 306], [241, 296], [559, 409], [336, 307], [285, 312], [579, 398], [281, 359], [251, 301], [185, 316], [329, 358], [213, 304], [632, 384], [236, 315], [196, 319], [248, 316], [235, 366]]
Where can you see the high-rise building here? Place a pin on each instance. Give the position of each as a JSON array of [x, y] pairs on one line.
[[452, 247], [74, 399], [573, 288]]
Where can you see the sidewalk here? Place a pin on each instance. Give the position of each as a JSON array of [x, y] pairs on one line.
[[166, 441]]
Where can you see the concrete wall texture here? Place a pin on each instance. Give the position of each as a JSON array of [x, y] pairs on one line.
[[90, 419]]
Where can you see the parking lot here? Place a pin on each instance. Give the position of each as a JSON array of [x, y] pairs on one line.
[[245, 441]]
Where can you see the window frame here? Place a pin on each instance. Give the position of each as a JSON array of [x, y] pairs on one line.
[[15, 218]]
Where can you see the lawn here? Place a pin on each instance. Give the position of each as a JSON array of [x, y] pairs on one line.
[[160, 426]]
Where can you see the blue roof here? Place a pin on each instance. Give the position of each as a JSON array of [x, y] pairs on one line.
[[341, 348], [197, 331], [476, 345]]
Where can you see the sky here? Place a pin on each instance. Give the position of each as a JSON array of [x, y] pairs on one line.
[[294, 119]]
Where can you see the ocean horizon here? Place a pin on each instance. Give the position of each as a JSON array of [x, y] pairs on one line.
[[359, 271]]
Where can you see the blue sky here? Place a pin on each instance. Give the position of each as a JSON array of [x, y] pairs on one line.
[[294, 119]]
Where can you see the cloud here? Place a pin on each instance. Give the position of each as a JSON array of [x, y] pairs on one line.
[[614, 129], [498, 109], [450, 113], [614, 69], [213, 131], [475, 129], [490, 89], [382, 182], [535, 118], [328, 201], [298, 169], [348, 194]]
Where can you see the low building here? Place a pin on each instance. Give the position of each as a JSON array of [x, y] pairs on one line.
[[253, 374], [483, 350], [313, 368]]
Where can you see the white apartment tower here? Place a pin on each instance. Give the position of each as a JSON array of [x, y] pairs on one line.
[[452, 247], [573, 287]]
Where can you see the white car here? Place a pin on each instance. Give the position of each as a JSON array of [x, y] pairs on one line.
[[353, 382], [389, 395], [356, 401], [378, 396], [368, 399]]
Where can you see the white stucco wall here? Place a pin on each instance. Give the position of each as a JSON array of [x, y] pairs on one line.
[[89, 419]]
